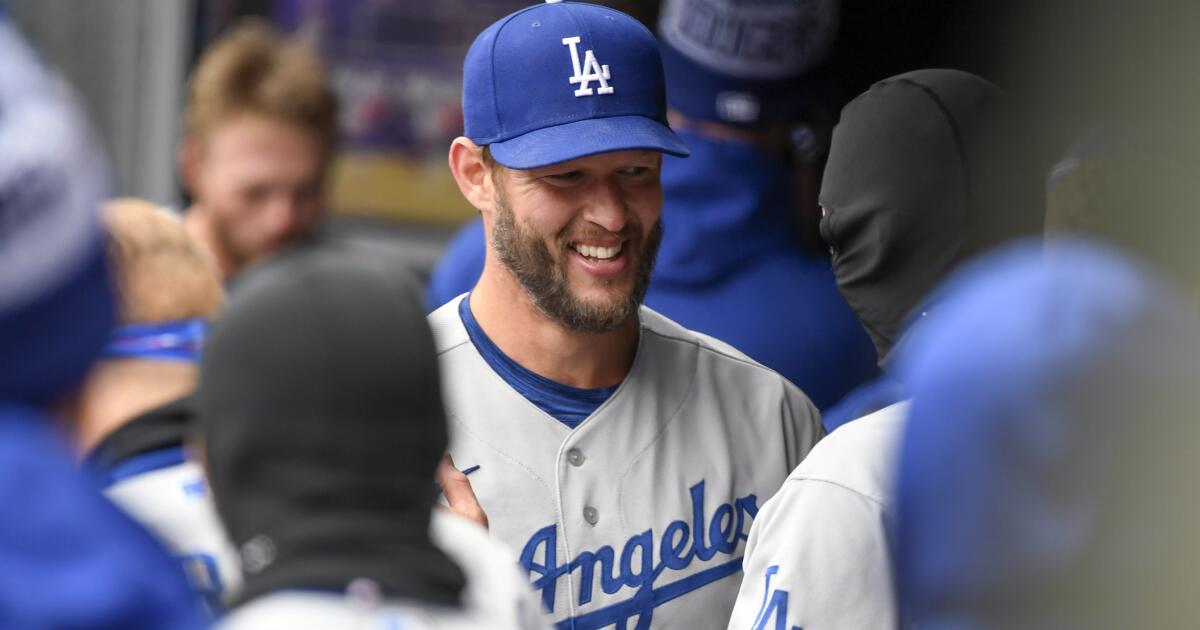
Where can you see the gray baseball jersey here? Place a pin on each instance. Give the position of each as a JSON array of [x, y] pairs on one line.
[[495, 596], [818, 552], [637, 517], [174, 504]]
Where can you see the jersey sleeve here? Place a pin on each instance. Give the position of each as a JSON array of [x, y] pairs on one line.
[[817, 558], [496, 591], [802, 427]]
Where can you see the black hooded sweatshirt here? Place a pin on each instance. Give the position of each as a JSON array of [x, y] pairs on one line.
[[925, 170], [321, 412]]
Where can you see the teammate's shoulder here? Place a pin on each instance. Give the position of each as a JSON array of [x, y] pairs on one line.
[[858, 456], [296, 609], [447, 326]]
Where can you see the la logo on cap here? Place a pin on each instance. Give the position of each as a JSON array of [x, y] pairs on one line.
[[589, 71], [523, 57]]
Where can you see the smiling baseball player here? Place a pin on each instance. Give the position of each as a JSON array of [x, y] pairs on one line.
[[623, 456]]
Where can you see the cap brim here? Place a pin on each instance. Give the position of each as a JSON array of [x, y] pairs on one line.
[[571, 141]]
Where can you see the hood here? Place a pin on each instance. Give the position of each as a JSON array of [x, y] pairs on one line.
[[56, 306], [1047, 474], [924, 171], [726, 204], [321, 411]]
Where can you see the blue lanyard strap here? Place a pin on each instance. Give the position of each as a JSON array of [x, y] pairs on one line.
[[163, 341]]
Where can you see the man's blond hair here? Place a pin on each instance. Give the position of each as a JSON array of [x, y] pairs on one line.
[[255, 70], [159, 272]]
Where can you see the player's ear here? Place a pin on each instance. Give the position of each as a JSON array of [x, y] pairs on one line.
[[472, 173], [189, 156], [194, 447]]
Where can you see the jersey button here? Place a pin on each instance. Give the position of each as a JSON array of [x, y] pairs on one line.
[[591, 515], [575, 456]]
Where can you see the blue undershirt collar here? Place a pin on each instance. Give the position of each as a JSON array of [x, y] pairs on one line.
[[569, 405], [134, 466]]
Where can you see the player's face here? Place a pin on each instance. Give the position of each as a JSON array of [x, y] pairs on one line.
[[581, 236], [260, 183]]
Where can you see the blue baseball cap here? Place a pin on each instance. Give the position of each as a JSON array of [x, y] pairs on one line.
[[564, 80]]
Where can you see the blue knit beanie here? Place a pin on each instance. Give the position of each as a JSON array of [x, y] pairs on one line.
[[56, 305]]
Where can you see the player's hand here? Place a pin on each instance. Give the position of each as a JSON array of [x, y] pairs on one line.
[[458, 492]]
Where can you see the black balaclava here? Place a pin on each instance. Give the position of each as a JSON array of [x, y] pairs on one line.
[[323, 423], [924, 171]]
